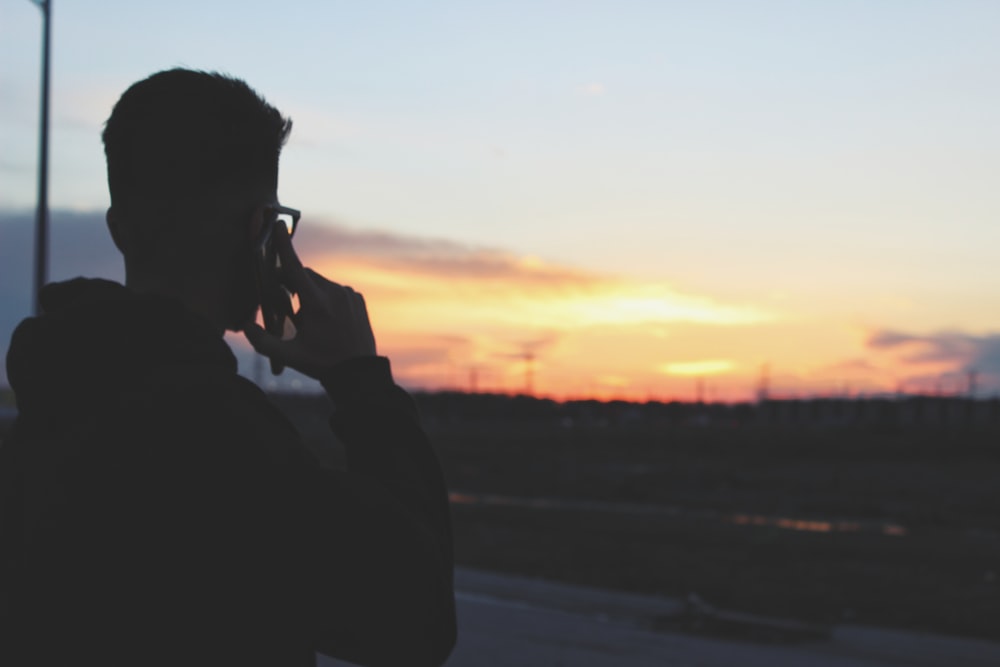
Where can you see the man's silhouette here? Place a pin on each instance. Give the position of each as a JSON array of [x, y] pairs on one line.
[[156, 508]]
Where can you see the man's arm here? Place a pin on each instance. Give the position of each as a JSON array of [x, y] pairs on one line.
[[400, 575], [384, 440], [400, 582]]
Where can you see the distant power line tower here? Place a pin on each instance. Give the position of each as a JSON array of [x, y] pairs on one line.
[[764, 383], [529, 370], [526, 356], [971, 388]]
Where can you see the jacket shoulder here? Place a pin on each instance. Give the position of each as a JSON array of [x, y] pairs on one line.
[[204, 408]]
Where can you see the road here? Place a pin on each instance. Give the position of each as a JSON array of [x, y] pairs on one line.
[[506, 620]]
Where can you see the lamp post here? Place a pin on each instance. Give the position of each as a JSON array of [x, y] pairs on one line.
[[42, 215]]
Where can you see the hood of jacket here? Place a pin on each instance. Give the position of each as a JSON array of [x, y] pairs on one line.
[[94, 339]]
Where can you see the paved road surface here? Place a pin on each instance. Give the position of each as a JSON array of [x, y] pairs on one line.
[[505, 620]]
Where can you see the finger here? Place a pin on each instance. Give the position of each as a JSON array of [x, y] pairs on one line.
[[323, 281], [292, 271], [263, 342], [330, 288], [276, 350]]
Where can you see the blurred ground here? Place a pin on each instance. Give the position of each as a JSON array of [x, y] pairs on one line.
[[509, 620], [639, 516], [869, 524], [748, 519]]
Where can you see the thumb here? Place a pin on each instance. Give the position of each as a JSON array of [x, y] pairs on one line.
[[261, 340]]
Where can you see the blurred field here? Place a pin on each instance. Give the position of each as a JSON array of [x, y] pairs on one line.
[[942, 486], [942, 575], [674, 491]]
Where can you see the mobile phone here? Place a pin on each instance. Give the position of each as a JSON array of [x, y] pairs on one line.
[[275, 299]]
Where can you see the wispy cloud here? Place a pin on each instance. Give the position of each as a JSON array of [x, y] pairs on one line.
[[451, 314], [960, 350], [698, 368], [926, 361], [437, 258], [593, 89], [859, 366], [440, 308], [504, 285], [517, 314]]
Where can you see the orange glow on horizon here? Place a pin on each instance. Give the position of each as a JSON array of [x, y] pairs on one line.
[[698, 368], [473, 320]]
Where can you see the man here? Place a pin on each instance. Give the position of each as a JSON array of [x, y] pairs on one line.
[[156, 508]]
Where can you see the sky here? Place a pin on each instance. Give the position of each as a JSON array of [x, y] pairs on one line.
[[612, 199]]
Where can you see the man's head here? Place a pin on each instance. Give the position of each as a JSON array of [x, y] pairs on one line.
[[192, 156]]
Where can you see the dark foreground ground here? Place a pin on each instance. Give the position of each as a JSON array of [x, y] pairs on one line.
[[940, 575], [506, 619], [889, 527]]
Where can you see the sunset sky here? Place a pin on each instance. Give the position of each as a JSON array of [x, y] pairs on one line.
[[636, 196]]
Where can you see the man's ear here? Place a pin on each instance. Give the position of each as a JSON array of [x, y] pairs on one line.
[[114, 226]]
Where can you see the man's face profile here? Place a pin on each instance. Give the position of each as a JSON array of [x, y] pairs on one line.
[[192, 164], [244, 267]]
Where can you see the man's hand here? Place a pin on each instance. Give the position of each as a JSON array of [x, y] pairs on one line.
[[331, 324]]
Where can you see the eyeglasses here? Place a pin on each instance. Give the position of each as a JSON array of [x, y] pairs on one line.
[[289, 217], [276, 213]]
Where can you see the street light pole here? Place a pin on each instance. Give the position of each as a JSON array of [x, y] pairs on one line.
[[42, 215]]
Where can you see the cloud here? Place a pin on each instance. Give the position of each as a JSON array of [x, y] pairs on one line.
[[446, 311], [521, 349], [440, 308], [448, 281], [888, 339], [860, 366], [431, 257], [697, 368], [79, 246], [943, 360], [593, 89], [397, 264], [961, 350]]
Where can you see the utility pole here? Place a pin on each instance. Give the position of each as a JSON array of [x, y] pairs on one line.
[[42, 214], [529, 372], [764, 384]]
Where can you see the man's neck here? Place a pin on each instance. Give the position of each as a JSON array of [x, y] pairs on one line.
[[197, 299]]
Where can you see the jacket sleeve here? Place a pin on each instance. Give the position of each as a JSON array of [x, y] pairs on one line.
[[392, 600]]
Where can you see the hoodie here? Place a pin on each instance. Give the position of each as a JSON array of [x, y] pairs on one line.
[[158, 509]]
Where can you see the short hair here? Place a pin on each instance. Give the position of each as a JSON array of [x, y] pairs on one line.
[[185, 135]]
